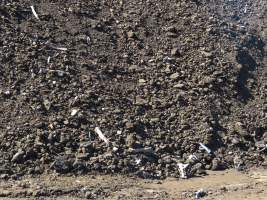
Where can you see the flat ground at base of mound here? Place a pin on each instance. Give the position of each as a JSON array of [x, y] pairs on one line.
[[227, 185]]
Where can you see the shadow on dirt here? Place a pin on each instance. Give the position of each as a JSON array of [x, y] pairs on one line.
[[249, 64]]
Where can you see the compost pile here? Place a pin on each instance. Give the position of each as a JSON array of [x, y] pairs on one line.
[[132, 87]]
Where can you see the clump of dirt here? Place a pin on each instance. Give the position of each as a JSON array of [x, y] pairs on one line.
[[157, 78]]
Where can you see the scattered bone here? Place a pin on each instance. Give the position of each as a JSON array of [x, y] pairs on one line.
[[74, 112], [88, 40], [182, 170], [138, 161], [101, 135], [48, 59], [34, 13], [115, 149], [202, 146], [60, 48], [193, 157], [119, 132]]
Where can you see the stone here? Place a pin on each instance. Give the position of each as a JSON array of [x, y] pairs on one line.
[[175, 52], [140, 101], [239, 128], [47, 104], [179, 85], [131, 34], [18, 157], [174, 76]]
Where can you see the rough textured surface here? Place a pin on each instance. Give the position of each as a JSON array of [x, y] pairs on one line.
[[230, 185], [157, 78]]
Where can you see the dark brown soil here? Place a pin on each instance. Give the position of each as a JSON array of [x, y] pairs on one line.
[[157, 78]]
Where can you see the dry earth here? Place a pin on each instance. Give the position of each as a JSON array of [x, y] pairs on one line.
[[224, 185]]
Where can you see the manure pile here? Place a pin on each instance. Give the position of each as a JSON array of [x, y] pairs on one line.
[[132, 87]]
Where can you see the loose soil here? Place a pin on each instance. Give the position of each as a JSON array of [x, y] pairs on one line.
[[228, 185]]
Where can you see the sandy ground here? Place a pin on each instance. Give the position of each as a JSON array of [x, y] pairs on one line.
[[226, 185]]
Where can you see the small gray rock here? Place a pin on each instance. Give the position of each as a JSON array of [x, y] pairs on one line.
[[18, 156], [174, 76]]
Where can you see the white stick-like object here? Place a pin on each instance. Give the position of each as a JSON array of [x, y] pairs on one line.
[[204, 147], [48, 59], [60, 48], [182, 169], [101, 135], [34, 13]]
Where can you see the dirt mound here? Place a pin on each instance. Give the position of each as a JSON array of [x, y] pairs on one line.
[[159, 79]]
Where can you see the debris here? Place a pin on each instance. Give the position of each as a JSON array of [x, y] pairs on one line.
[[7, 93], [47, 104], [174, 76], [101, 135], [140, 100], [115, 149], [48, 59], [119, 132], [60, 73], [34, 13], [131, 34], [18, 156], [263, 149], [175, 52], [60, 48], [74, 112], [182, 170], [138, 161], [88, 40], [61, 165], [238, 163], [246, 8], [202, 146], [192, 157], [200, 193]]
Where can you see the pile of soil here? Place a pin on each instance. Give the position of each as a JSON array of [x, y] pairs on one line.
[[156, 77]]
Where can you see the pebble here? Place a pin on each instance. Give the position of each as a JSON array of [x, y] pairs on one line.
[[174, 76], [18, 157], [74, 112], [140, 101], [175, 52]]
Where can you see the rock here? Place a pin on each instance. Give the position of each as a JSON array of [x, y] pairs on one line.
[[179, 85], [62, 165], [47, 104], [260, 144], [207, 54], [130, 140], [74, 112], [140, 101], [239, 128], [88, 195], [174, 76], [175, 52], [171, 29], [131, 34], [142, 82], [18, 157], [129, 125], [215, 164]]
